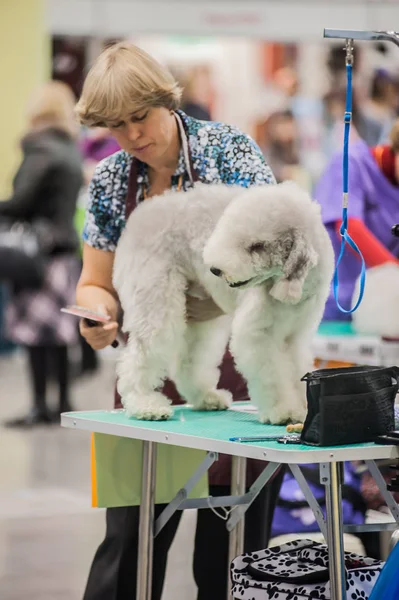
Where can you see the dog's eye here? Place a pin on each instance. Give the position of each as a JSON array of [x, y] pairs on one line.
[[256, 247]]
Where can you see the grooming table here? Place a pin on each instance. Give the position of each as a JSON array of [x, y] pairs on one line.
[[211, 432], [337, 341]]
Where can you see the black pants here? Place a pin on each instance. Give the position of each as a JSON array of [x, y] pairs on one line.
[[39, 363], [113, 573]]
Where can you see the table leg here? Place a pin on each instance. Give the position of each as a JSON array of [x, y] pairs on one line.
[[146, 526], [335, 538], [236, 538]]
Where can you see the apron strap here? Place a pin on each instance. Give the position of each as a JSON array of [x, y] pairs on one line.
[[131, 196], [188, 159]]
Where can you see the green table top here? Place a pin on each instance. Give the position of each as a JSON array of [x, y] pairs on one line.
[[212, 431], [333, 328]]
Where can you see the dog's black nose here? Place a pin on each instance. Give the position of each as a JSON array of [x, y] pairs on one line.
[[216, 271]]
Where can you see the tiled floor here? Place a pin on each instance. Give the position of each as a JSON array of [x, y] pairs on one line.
[[48, 531]]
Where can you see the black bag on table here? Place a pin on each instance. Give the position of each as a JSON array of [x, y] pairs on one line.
[[349, 405]]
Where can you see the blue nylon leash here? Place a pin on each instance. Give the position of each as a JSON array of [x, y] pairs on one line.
[[346, 239]]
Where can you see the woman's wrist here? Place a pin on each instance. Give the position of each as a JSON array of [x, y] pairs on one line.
[[92, 296]]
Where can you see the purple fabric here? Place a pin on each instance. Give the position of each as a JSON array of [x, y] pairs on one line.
[[372, 198], [97, 149], [292, 516]]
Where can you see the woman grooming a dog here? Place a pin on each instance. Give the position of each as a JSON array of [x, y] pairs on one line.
[[137, 99]]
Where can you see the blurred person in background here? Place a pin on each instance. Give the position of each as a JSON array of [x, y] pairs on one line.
[[196, 94], [96, 145], [307, 111], [373, 209], [280, 143], [280, 148], [333, 122], [380, 110], [138, 100], [45, 191]]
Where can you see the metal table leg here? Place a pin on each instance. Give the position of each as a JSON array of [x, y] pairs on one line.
[[146, 526], [236, 538], [331, 476]]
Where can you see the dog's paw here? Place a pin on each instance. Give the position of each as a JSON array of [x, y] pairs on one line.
[[214, 400], [288, 292], [264, 418], [151, 407], [284, 414], [278, 415]]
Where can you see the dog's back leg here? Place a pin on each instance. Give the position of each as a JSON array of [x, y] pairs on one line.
[[155, 321], [198, 373]]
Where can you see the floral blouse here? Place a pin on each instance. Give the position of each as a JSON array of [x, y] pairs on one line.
[[220, 154]]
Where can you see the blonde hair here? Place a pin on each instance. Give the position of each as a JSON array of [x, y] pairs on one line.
[[52, 105], [125, 80], [394, 136]]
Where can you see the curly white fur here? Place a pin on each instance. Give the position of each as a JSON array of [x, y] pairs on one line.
[[274, 262]]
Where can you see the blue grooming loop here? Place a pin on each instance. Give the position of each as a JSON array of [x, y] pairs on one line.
[[346, 239]]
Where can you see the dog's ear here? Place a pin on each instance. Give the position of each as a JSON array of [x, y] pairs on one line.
[[298, 257], [301, 258]]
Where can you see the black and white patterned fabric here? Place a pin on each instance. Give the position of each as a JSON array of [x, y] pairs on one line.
[[299, 571], [34, 317]]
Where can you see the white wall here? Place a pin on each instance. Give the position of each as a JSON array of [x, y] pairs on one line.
[[285, 20]]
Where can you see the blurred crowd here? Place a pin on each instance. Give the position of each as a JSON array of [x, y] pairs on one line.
[[287, 140]]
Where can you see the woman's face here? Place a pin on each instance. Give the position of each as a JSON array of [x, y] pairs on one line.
[[146, 135]]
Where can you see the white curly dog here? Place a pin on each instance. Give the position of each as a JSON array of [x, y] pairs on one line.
[[264, 257]]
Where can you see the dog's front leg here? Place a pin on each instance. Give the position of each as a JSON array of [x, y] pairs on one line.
[[140, 372], [198, 372], [300, 348], [261, 356], [300, 353], [154, 316]]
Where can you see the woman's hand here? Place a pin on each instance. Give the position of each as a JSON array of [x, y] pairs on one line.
[[202, 309], [102, 335]]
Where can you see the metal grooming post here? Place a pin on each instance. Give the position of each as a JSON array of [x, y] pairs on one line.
[[236, 538], [368, 36], [146, 526], [331, 475]]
